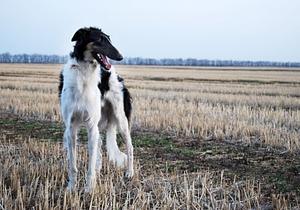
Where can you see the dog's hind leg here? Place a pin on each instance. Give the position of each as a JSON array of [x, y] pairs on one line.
[[114, 154], [125, 133], [70, 140]]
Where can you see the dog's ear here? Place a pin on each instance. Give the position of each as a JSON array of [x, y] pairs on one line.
[[80, 34]]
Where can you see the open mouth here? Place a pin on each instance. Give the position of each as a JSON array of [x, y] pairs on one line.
[[103, 60]]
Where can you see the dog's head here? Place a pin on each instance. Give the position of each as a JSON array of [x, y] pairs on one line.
[[92, 42]]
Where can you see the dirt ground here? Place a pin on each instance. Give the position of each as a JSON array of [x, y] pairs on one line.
[[277, 170]]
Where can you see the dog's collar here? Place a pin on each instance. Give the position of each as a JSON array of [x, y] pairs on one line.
[[73, 63], [74, 66], [103, 69], [93, 62]]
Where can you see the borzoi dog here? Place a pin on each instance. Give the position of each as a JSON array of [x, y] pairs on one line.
[[96, 98]]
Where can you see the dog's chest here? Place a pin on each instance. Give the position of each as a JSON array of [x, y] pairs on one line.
[[83, 84]]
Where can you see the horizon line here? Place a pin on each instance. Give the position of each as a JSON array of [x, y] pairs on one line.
[[165, 58]]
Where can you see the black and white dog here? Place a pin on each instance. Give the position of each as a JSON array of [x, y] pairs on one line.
[[97, 98]]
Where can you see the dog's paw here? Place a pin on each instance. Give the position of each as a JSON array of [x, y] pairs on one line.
[[89, 188], [71, 187], [129, 174], [119, 159], [90, 184]]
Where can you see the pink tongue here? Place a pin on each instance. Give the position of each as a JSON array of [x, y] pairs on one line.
[[105, 62]]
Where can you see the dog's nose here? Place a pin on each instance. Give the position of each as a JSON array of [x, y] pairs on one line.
[[119, 57]]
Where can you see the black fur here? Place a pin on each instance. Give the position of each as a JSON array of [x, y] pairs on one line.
[[103, 85], [120, 79], [127, 99], [61, 84]]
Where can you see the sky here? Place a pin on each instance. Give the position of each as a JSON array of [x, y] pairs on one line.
[[202, 29]]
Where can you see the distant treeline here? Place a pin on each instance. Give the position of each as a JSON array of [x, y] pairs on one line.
[[205, 62], [31, 58], [56, 59]]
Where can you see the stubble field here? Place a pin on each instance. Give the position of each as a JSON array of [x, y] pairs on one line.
[[204, 138]]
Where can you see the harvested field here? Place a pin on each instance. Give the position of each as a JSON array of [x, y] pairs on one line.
[[203, 138]]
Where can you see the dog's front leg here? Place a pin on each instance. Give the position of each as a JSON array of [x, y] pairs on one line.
[[70, 138], [93, 147]]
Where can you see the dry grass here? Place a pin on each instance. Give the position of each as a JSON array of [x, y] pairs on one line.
[[202, 74], [260, 107], [240, 105], [41, 184]]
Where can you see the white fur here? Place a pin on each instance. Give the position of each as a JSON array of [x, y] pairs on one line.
[[81, 104]]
